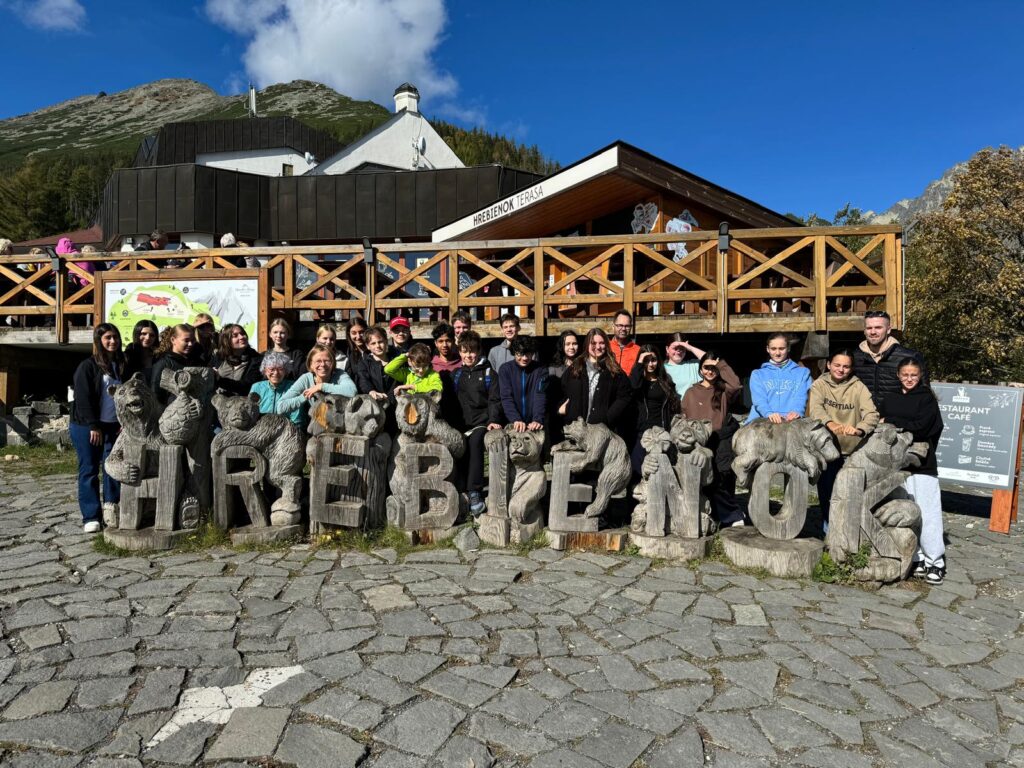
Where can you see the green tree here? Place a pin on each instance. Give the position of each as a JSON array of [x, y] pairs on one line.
[[965, 274]]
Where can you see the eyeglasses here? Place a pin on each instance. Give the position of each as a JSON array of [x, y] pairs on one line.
[[876, 313], [627, 326]]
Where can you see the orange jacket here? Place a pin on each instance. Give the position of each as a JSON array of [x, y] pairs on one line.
[[625, 356]]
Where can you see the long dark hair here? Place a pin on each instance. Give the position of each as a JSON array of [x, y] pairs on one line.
[[354, 353], [661, 376], [134, 352], [559, 358], [712, 354], [110, 364], [607, 362], [227, 353]]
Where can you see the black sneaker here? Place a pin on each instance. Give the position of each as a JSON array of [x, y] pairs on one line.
[[935, 574], [918, 569], [476, 503]]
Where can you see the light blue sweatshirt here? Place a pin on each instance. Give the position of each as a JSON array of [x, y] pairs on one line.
[[292, 400], [778, 389]]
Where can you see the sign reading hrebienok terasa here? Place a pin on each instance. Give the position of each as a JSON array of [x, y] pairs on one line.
[[979, 439]]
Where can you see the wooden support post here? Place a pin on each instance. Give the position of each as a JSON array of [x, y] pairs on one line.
[[60, 323], [539, 284], [371, 290], [1005, 503], [453, 283], [722, 279], [627, 279], [893, 281], [820, 286]]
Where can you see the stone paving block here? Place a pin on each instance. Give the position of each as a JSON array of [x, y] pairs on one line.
[[41, 637], [461, 752], [684, 699], [833, 757], [103, 692], [312, 746], [160, 691], [183, 747], [756, 676], [568, 720], [494, 676], [636, 712], [621, 674], [251, 732], [615, 745], [326, 643], [787, 730], [68, 732], [379, 687], [492, 730], [563, 758], [422, 728], [408, 667], [684, 750], [735, 732], [40, 699], [462, 691]]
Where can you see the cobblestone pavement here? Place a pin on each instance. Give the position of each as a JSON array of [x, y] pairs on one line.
[[324, 658]]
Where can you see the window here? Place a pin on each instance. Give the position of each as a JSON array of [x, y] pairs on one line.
[[286, 169]]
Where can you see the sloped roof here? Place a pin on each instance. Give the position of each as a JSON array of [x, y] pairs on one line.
[[91, 236]]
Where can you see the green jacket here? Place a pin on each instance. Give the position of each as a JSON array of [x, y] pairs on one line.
[[399, 370]]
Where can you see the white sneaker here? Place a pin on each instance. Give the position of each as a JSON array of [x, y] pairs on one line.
[[110, 514], [92, 526], [738, 524]]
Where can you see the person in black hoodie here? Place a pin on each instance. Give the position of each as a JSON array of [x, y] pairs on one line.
[[94, 426], [657, 401], [594, 387], [370, 378], [474, 409], [915, 409], [173, 354], [236, 364]]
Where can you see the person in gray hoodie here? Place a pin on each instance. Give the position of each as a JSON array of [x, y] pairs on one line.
[[843, 404]]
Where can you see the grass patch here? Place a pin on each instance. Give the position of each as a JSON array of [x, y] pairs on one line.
[[828, 571], [104, 547], [206, 536], [390, 537], [42, 460], [539, 540]]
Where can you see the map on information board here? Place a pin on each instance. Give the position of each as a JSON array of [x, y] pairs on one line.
[[171, 303]]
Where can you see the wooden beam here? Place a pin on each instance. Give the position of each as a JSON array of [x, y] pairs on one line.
[[820, 286]]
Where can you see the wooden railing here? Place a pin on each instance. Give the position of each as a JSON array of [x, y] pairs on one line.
[[797, 279]]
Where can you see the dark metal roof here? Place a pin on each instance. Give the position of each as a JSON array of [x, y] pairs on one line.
[[178, 143]]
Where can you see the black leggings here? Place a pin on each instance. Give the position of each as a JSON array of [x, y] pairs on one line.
[[471, 470]]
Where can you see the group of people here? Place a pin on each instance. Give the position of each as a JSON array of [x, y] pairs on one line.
[[610, 380]]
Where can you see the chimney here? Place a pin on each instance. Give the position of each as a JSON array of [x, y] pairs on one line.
[[407, 98]]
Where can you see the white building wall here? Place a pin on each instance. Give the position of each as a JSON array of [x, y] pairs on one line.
[[392, 145], [265, 162]]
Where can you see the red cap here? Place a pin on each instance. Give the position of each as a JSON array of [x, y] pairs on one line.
[[397, 321]]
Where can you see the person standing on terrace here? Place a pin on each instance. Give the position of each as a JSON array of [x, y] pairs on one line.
[[622, 346]]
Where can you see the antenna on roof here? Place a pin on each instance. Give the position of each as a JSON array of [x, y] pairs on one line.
[[252, 100]]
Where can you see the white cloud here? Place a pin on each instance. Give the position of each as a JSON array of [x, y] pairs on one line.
[[57, 15], [361, 48]]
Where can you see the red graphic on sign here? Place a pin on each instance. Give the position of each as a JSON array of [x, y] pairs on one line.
[[154, 301]]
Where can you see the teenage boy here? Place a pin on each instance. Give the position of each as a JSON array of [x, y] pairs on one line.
[[447, 358], [412, 371], [401, 335], [461, 322], [778, 389], [502, 353], [622, 347], [477, 410], [523, 384]]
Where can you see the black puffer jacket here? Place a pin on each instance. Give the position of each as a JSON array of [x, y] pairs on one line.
[[880, 378]]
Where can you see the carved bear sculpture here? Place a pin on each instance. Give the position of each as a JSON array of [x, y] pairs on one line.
[[530, 483], [138, 413], [598, 448], [804, 443], [275, 437]]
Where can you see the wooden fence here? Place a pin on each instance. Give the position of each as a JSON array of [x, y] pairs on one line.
[[795, 279]]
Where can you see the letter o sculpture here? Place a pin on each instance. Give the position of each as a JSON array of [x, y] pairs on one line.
[[788, 523]]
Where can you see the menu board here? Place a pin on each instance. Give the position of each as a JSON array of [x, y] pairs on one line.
[[981, 429]]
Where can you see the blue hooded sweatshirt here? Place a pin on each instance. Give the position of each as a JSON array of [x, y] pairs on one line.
[[778, 389]]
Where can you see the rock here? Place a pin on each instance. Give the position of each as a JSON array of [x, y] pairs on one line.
[[467, 541]]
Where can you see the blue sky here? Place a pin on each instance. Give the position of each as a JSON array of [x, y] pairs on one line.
[[802, 106]]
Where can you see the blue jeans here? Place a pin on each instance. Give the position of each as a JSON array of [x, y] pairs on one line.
[[90, 461]]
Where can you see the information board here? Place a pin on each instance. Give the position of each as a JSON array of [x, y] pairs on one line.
[[979, 439]]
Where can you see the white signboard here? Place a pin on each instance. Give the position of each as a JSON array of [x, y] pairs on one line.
[[981, 425], [170, 302]]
